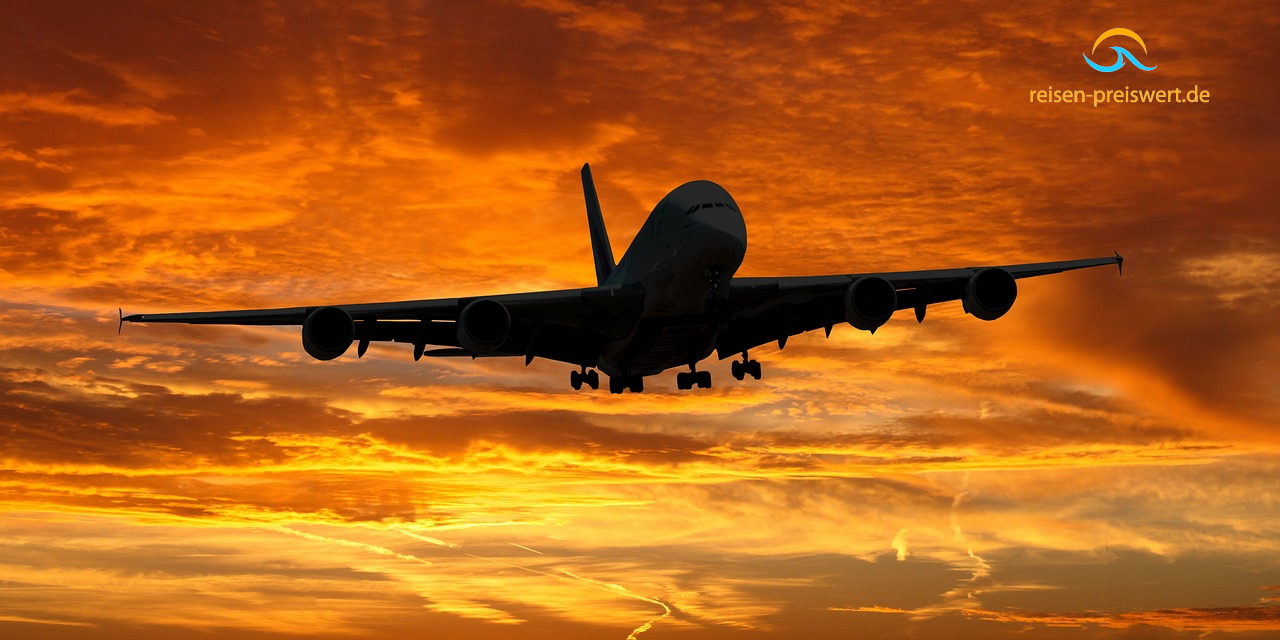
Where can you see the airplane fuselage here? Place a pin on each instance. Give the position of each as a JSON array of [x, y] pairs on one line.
[[683, 257]]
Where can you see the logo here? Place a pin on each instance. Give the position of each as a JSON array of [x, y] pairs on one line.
[[1122, 54]]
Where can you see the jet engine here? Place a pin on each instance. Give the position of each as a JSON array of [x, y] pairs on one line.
[[327, 333], [869, 302], [483, 325], [990, 293]]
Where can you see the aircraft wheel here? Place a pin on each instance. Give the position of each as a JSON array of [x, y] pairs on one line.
[[682, 381], [616, 384], [736, 368], [592, 379], [753, 368], [575, 380], [703, 379], [637, 384]]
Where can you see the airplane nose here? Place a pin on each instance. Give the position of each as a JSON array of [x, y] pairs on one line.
[[727, 221], [724, 229]]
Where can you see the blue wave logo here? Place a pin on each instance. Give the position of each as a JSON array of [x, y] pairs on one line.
[[1123, 55]]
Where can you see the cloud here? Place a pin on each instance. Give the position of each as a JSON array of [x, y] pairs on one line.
[[1108, 430], [900, 544], [69, 104]]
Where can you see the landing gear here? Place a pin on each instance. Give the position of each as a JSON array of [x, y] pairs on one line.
[[714, 276], [579, 378], [618, 384], [687, 379], [743, 368]]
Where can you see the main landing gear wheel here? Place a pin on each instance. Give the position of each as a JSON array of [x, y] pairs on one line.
[[579, 378], [743, 368]]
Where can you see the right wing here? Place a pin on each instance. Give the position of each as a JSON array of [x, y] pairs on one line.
[[763, 310], [567, 325]]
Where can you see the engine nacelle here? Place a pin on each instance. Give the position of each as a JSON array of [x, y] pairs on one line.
[[869, 302], [990, 293], [327, 333], [483, 325]]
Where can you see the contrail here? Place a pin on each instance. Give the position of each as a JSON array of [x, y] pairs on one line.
[[352, 543], [666, 611], [417, 536], [553, 573], [983, 569], [520, 546], [619, 589], [963, 596]]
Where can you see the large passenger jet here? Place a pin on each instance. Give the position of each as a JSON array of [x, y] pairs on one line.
[[670, 302]]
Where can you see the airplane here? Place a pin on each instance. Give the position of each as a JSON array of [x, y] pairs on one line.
[[670, 302]]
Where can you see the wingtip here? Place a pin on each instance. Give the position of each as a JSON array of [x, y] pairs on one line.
[[1119, 261], [120, 315]]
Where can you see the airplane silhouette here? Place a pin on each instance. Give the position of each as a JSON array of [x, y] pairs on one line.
[[670, 302]]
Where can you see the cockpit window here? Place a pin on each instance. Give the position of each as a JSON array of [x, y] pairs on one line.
[[709, 205]]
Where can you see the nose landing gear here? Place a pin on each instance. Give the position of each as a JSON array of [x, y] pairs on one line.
[[618, 384], [687, 379], [579, 378], [745, 367]]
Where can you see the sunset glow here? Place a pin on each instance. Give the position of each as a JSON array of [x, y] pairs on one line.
[[1102, 462]]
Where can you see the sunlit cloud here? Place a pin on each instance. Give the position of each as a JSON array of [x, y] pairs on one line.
[[1034, 474]]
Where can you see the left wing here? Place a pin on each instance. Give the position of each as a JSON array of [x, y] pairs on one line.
[[763, 310], [566, 325]]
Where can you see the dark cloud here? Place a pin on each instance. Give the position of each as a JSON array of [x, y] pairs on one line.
[[1121, 580]]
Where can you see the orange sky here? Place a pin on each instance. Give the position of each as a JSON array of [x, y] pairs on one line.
[[1099, 463]]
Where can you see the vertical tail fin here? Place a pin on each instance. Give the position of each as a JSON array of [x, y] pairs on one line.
[[600, 248]]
